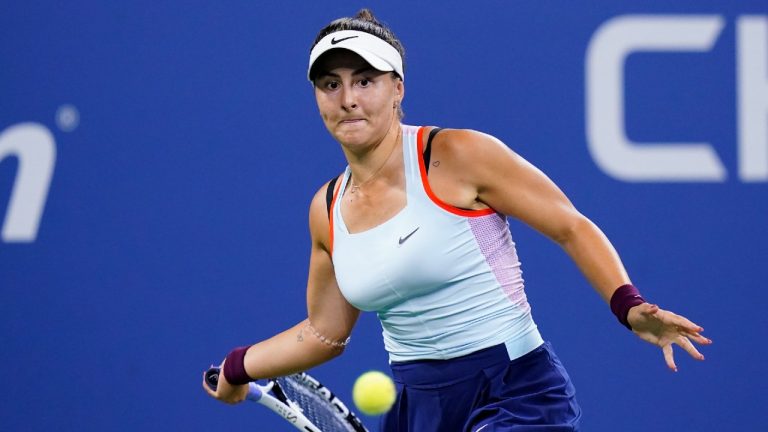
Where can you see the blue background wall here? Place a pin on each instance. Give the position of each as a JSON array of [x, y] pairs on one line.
[[175, 226]]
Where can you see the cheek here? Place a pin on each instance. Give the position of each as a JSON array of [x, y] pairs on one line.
[[323, 105], [381, 102]]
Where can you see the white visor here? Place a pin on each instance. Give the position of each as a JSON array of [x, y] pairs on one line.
[[378, 53]]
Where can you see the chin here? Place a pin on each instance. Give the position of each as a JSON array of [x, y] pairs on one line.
[[352, 141], [353, 137]]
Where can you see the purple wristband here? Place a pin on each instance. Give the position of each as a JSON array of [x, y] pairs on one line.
[[623, 299], [234, 367]]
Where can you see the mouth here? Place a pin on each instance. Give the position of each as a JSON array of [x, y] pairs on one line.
[[351, 121]]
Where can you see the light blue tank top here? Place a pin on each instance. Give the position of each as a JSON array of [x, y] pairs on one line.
[[444, 281]]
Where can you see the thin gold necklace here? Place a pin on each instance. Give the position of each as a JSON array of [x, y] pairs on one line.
[[357, 186]]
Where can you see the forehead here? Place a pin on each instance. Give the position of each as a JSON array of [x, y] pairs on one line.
[[339, 59]]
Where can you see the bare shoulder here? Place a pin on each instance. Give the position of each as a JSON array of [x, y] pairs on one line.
[[468, 145], [481, 166], [319, 224], [470, 152]]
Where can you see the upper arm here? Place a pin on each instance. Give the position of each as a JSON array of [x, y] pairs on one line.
[[327, 308], [496, 176]]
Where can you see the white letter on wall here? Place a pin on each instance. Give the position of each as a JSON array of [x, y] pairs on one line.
[[35, 148], [752, 46], [608, 143]]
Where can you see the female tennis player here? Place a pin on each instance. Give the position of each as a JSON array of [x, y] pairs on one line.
[[415, 229]]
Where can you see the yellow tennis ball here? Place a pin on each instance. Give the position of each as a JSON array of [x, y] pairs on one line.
[[373, 393]]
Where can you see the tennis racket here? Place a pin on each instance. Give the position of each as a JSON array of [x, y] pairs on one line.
[[301, 400]]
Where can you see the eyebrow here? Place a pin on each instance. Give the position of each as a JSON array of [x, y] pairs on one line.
[[356, 72]]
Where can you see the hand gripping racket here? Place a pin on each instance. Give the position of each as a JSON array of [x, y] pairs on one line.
[[301, 400]]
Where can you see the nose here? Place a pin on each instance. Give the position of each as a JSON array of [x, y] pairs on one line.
[[348, 98]]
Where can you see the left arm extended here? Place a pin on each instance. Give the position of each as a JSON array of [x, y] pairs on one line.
[[493, 175]]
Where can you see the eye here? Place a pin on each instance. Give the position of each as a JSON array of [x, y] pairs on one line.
[[332, 85], [365, 82]]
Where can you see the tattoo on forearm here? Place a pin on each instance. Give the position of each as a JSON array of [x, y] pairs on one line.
[[300, 336], [436, 164]]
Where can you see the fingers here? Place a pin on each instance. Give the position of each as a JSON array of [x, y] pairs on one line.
[[683, 324], [690, 331], [669, 357], [686, 344], [689, 348], [699, 339], [686, 324], [208, 389], [232, 396], [670, 329], [679, 320]]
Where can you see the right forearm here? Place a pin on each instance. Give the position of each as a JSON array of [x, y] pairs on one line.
[[291, 351]]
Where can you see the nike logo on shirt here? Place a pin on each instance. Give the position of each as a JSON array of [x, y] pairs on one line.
[[403, 239]]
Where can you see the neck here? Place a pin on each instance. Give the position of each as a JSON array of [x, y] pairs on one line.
[[376, 160]]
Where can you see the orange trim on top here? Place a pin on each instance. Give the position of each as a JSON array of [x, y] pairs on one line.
[[330, 217], [445, 206]]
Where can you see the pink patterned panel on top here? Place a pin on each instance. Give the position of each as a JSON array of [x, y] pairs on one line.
[[495, 241]]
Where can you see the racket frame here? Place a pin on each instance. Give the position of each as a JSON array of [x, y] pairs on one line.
[[288, 409]]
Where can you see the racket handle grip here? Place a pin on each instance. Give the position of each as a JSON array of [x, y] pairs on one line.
[[212, 379]]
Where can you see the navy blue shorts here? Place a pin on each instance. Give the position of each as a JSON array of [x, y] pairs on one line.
[[484, 392]]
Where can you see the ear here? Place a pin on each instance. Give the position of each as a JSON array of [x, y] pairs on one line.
[[399, 91]]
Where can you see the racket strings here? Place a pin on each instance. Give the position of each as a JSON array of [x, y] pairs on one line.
[[315, 406]]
